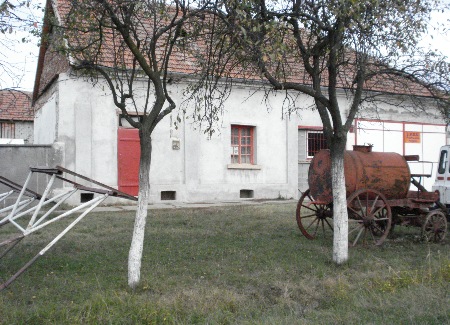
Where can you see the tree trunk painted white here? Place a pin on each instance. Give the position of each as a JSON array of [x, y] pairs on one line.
[[137, 242], [340, 214]]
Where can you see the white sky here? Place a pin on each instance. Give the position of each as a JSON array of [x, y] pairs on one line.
[[24, 56], [21, 57], [439, 39]]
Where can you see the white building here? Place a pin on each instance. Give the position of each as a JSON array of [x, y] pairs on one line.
[[16, 117], [256, 154]]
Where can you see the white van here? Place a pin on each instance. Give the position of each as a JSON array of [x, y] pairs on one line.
[[442, 181]]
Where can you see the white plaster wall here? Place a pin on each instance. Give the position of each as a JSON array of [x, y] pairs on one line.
[[88, 128], [24, 130], [198, 171], [45, 126], [392, 109], [87, 124], [206, 173]]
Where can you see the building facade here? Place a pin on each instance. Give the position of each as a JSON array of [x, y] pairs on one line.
[[256, 153], [16, 117]]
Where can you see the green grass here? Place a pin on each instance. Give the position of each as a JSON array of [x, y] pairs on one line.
[[229, 265]]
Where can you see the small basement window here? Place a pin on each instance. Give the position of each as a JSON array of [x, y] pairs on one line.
[[246, 194], [86, 197], [168, 195]]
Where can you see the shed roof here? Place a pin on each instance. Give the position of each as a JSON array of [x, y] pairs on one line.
[[15, 105]]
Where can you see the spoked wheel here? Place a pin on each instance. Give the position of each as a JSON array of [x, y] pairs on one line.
[[370, 217], [313, 216], [435, 226]]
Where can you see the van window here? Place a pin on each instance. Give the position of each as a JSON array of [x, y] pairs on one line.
[[442, 162]]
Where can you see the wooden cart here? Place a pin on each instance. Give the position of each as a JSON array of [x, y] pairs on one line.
[[371, 214]]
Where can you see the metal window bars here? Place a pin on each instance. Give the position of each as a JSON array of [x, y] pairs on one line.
[[28, 221]]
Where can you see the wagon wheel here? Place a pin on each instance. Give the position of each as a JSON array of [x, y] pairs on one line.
[[312, 216], [370, 217], [435, 226]]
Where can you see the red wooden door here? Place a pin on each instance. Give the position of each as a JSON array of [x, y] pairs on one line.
[[128, 161]]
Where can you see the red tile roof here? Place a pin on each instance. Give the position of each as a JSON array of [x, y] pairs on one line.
[[15, 105], [185, 63]]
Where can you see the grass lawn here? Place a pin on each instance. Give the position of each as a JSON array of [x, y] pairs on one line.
[[226, 265]]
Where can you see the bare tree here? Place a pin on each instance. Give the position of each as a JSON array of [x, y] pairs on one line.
[[323, 47], [18, 25], [131, 45]]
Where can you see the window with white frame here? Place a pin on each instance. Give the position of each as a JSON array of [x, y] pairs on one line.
[[242, 144]]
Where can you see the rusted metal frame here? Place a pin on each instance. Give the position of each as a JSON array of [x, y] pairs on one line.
[[95, 190], [19, 204], [409, 203], [94, 203], [46, 170], [418, 183], [17, 188], [420, 187], [56, 173], [369, 204], [380, 207], [411, 157], [114, 192], [12, 242], [318, 202], [363, 229], [36, 224], [67, 171]]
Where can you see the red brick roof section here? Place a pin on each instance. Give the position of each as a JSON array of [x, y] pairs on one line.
[[186, 63], [15, 105]]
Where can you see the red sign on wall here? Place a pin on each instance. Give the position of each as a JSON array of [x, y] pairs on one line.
[[412, 137]]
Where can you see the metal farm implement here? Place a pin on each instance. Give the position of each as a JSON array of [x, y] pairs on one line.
[[378, 197], [27, 218]]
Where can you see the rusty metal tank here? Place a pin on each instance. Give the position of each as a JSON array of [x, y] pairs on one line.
[[386, 172]]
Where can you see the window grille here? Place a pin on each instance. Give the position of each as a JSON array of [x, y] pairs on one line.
[[316, 142]]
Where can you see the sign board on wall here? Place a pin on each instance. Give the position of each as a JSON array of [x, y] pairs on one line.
[[412, 137]]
